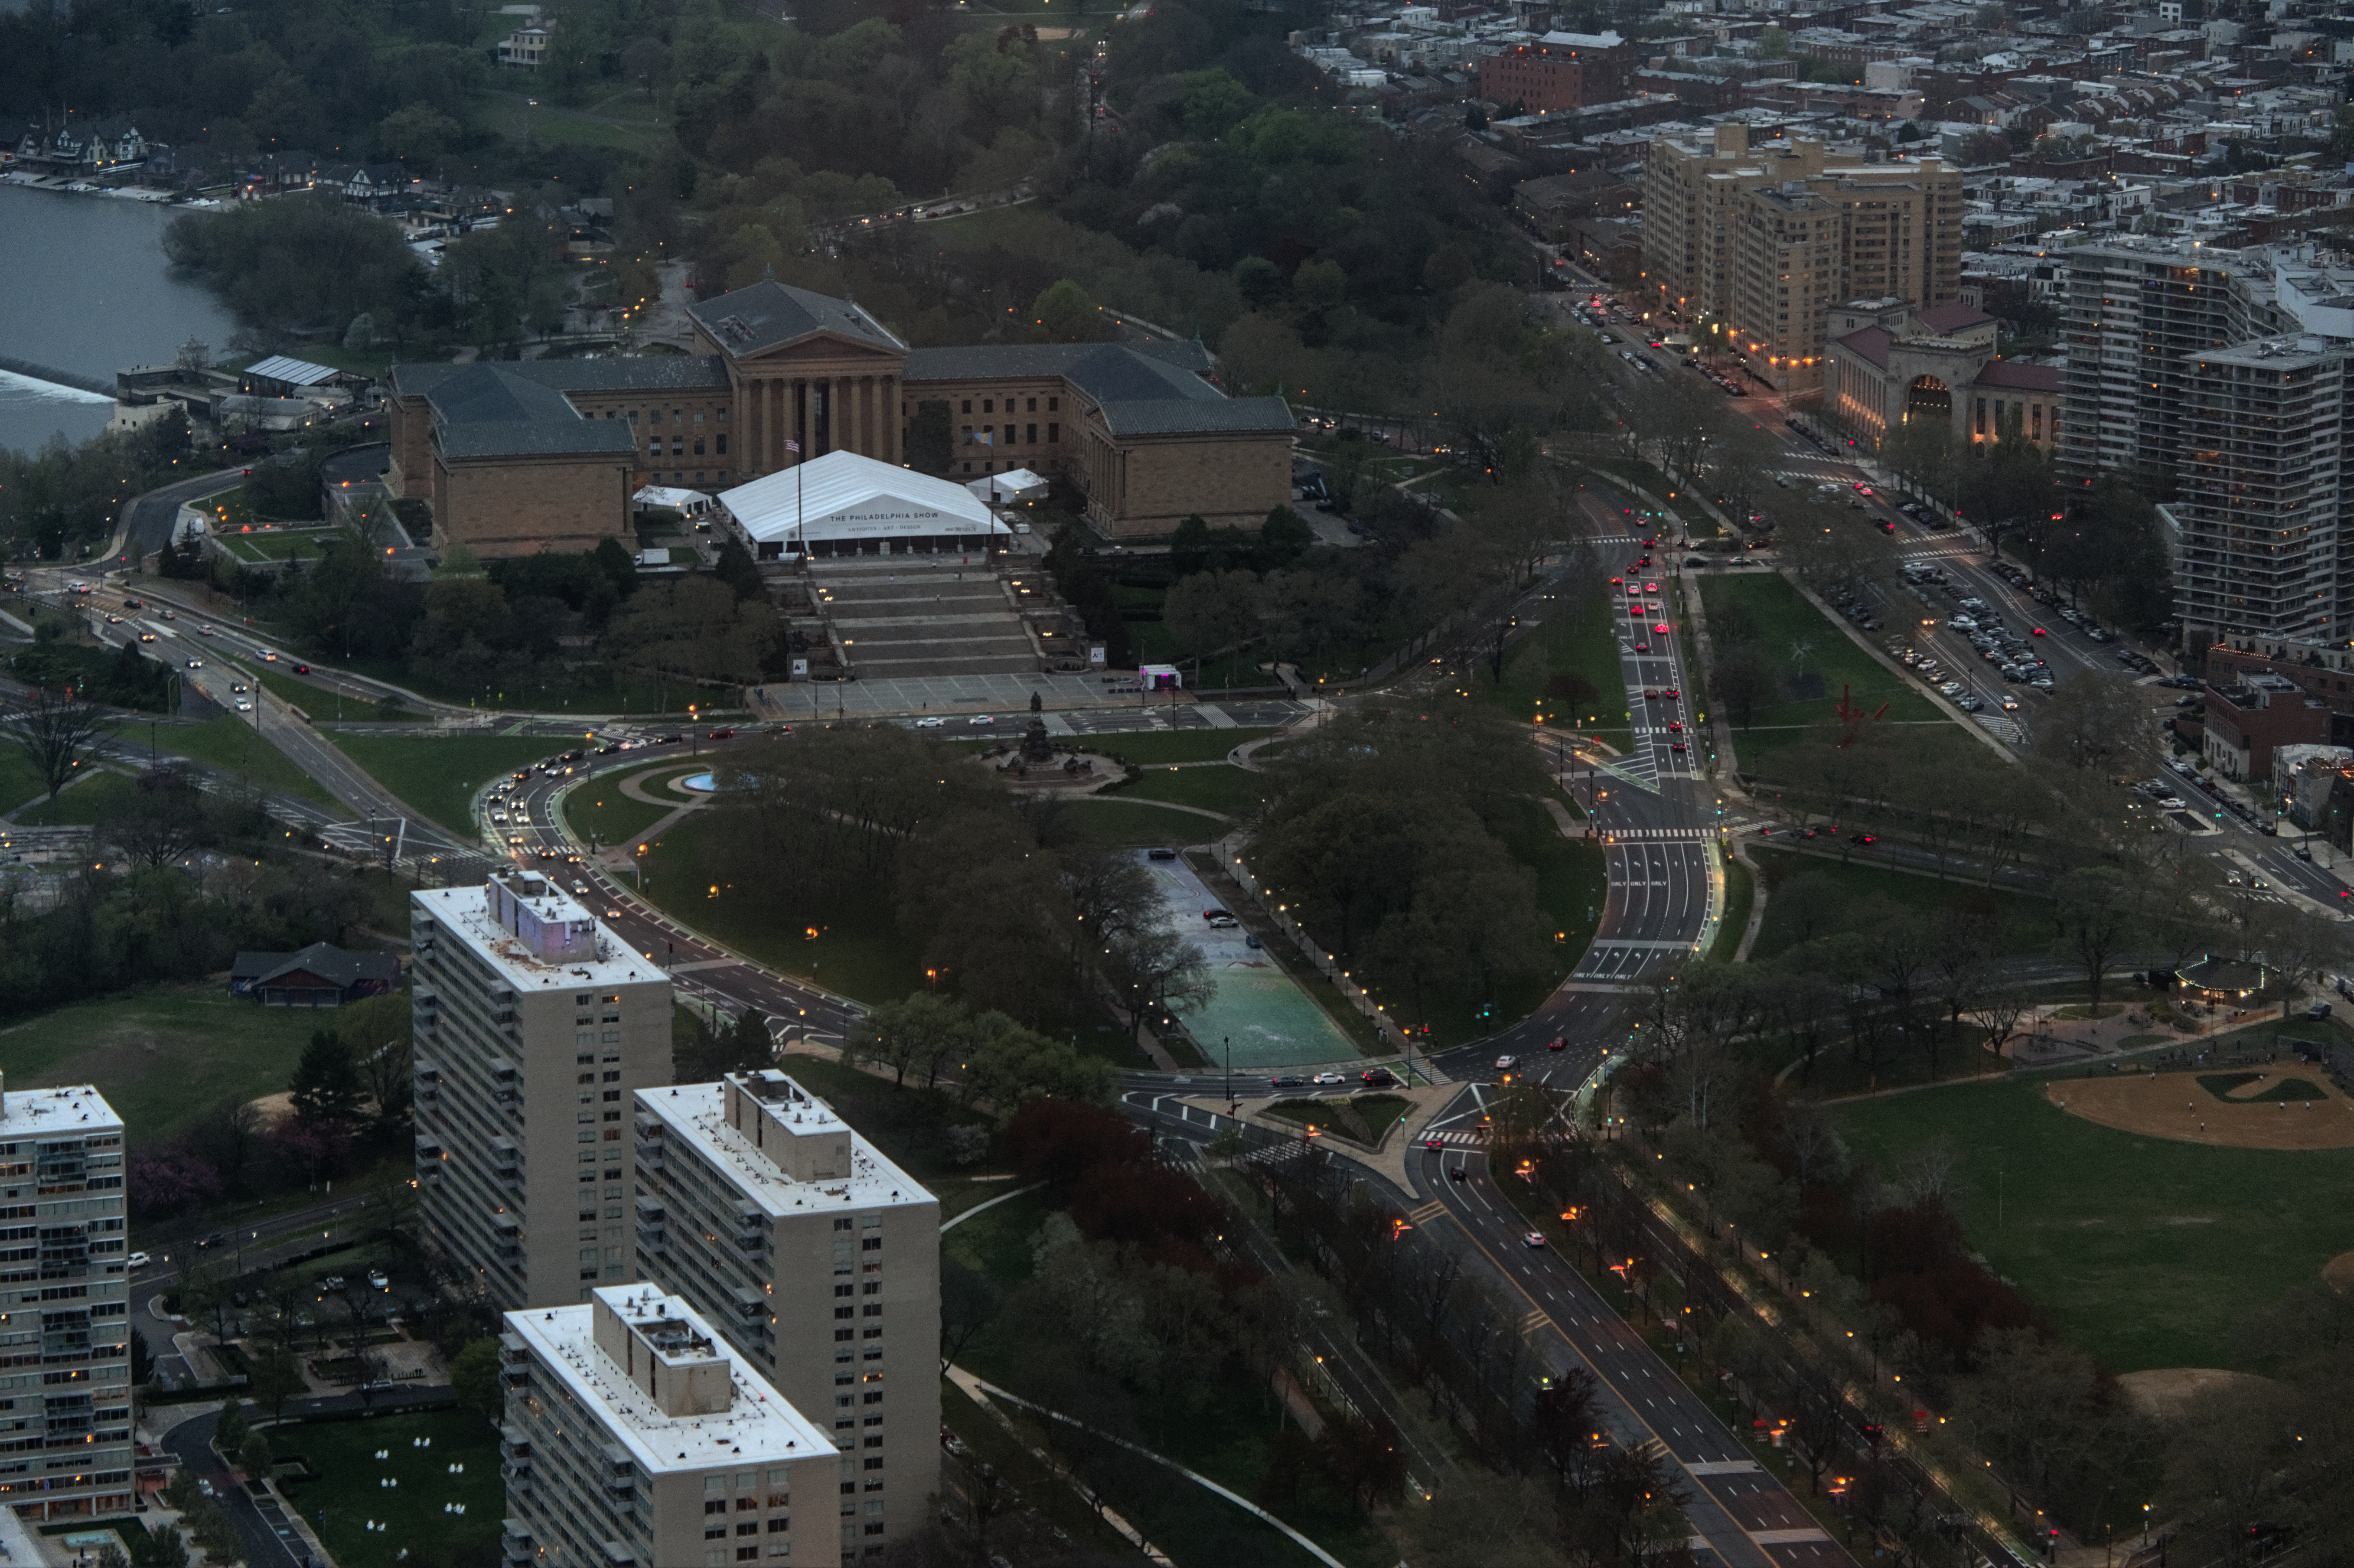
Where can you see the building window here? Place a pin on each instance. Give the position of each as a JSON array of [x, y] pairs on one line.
[[698, 446], [967, 407], [722, 444], [1054, 405], [988, 407], [1054, 434], [1030, 439]]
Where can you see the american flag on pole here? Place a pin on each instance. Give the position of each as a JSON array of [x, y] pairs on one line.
[[793, 445]]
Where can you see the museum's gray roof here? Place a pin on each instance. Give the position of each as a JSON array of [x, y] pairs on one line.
[[768, 314]]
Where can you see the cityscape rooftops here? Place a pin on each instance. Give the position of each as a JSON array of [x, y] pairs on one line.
[[724, 1415], [68, 1111], [840, 1167], [539, 937]]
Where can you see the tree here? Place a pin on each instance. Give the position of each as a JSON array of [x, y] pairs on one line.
[[417, 133], [931, 438], [2095, 911], [919, 1032], [736, 569], [1744, 682], [162, 819], [230, 1427], [702, 1053], [1066, 314], [326, 1085], [53, 729], [273, 1377], [383, 1053], [254, 1456], [158, 1545], [1006, 1063], [1153, 968], [1211, 613], [476, 1381]]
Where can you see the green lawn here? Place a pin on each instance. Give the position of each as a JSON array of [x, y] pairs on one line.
[[342, 1456], [638, 699], [90, 801], [161, 1057], [1740, 896], [2026, 922], [1576, 635], [1119, 822], [439, 774], [857, 951], [1364, 1117], [1146, 747], [279, 545], [228, 743], [600, 812], [2147, 1253], [1236, 792], [1783, 622], [20, 781]]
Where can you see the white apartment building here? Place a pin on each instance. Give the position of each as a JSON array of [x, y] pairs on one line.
[[534, 1026], [819, 1259], [633, 1440], [65, 1337]]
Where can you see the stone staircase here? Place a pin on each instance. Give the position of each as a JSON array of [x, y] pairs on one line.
[[905, 617]]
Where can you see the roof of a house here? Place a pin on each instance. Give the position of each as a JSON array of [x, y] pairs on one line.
[[329, 963], [1141, 388], [1953, 317], [618, 373], [295, 372], [2048, 378], [769, 313], [488, 410], [1869, 344]]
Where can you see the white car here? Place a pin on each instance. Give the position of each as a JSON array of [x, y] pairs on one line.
[[1533, 1238], [136, 1260], [931, 723], [2172, 804], [377, 1277], [979, 719], [1506, 1063], [204, 632], [244, 705], [1330, 1078]]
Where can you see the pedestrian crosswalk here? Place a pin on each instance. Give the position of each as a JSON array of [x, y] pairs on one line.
[[2003, 727], [1456, 1137], [1656, 834]]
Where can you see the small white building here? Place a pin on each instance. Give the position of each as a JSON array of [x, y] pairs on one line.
[[845, 504]]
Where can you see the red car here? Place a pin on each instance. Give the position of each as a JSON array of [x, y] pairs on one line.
[[720, 734]]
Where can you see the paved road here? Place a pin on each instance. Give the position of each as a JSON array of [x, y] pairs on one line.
[[1746, 1516], [147, 520]]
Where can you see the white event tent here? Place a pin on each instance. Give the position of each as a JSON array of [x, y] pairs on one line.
[[845, 504]]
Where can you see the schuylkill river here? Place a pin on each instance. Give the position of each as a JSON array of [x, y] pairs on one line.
[[88, 293]]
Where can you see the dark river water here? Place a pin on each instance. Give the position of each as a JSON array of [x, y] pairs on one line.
[[88, 292]]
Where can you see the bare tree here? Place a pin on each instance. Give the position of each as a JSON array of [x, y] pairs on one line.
[[54, 730], [2097, 911], [1153, 968]]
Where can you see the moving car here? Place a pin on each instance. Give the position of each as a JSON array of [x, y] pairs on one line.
[[140, 1259], [931, 723], [1506, 1063], [1330, 1078], [1533, 1238], [1288, 1081]]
